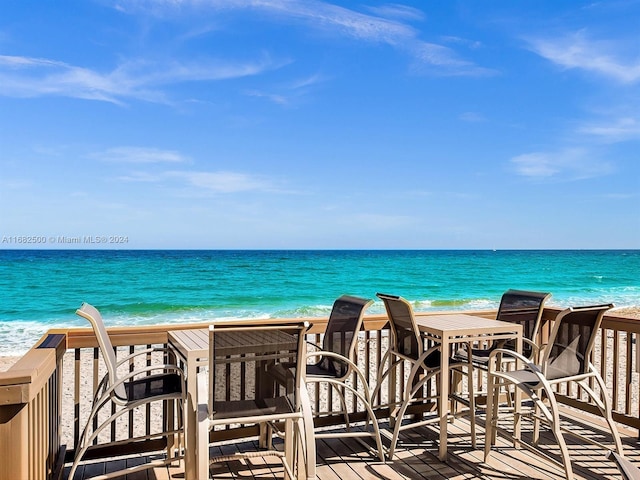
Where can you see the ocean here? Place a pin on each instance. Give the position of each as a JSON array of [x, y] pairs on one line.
[[41, 289]]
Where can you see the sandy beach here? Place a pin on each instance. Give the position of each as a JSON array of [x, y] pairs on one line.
[[634, 312], [6, 362], [66, 429]]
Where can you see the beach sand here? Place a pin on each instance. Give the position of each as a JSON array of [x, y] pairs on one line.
[[6, 362], [633, 312], [66, 428]]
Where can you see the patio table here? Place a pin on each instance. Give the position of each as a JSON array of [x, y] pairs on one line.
[[191, 346], [450, 329]]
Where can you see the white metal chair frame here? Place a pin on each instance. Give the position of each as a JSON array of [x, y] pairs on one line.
[[534, 382], [342, 383], [419, 374], [111, 390], [298, 422], [516, 306], [628, 469], [334, 363]]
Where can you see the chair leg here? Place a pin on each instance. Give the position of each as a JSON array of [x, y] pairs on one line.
[[472, 404], [202, 448], [310, 439], [492, 415], [288, 460], [400, 412], [566, 460], [603, 403]]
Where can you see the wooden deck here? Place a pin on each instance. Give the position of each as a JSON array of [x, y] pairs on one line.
[[416, 457]]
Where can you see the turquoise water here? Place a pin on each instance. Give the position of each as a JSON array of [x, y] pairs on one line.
[[41, 289]]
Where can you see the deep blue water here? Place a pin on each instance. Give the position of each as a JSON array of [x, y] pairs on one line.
[[40, 289]]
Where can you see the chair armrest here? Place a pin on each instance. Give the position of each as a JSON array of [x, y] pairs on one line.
[[528, 364], [107, 392], [143, 352], [340, 358]]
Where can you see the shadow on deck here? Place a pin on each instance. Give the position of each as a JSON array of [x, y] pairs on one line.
[[416, 458]]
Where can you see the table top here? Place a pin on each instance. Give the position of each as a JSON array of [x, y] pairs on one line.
[[453, 325], [195, 342]]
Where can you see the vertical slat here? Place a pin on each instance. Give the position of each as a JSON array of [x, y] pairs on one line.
[[76, 398], [148, 407], [95, 383], [616, 368], [113, 431], [628, 385], [316, 341], [132, 349]]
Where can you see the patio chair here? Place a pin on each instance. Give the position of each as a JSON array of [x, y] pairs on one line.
[[566, 358], [516, 306], [257, 400], [406, 344], [628, 469], [128, 391], [334, 363]]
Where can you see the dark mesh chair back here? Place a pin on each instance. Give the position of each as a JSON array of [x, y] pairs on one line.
[[524, 308], [405, 335], [341, 334], [572, 341], [565, 360]]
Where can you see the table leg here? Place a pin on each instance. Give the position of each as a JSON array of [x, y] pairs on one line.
[[191, 424], [492, 410], [517, 396], [443, 404]]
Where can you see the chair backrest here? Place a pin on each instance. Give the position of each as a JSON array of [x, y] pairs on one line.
[[524, 308], [341, 334], [405, 334], [571, 341], [90, 313], [238, 381]]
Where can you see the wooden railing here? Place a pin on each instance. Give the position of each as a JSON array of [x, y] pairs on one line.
[[43, 397], [30, 413]]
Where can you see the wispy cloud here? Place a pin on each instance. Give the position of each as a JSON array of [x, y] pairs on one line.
[[386, 25], [219, 182], [602, 57], [472, 117], [613, 130], [35, 77], [289, 93], [568, 164], [139, 155], [397, 11], [225, 181]]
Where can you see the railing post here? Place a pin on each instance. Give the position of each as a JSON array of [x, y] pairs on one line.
[[30, 399]]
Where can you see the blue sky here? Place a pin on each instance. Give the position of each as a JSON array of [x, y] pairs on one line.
[[317, 124]]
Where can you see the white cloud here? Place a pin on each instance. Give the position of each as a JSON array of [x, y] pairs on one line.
[[140, 155], [385, 26], [394, 10], [288, 94], [224, 181], [568, 164], [577, 51], [34, 77], [614, 130]]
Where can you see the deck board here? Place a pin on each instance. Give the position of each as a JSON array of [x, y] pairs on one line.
[[416, 458]]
